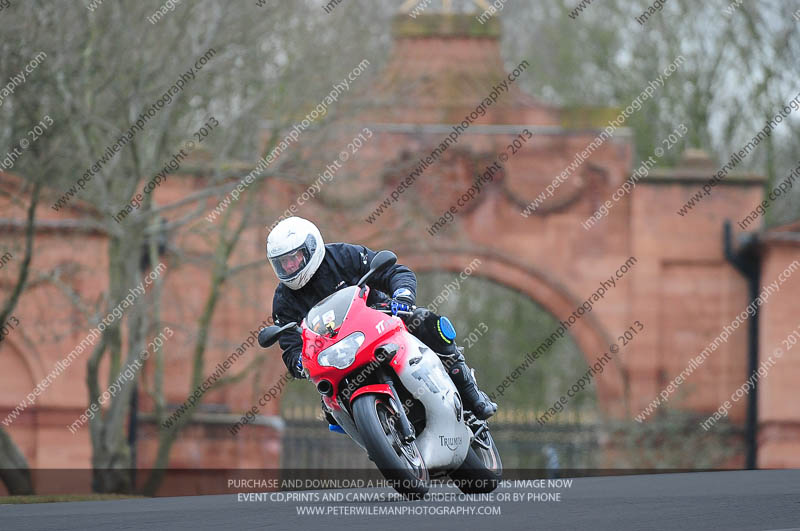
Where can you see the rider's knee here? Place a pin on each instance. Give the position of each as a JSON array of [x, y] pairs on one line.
[[432, 329], [419, 319]]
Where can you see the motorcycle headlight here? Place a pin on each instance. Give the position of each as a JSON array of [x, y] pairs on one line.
[[342, 354]]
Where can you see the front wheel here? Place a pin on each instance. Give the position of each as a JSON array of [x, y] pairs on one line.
[[399, 462], [482, 469]]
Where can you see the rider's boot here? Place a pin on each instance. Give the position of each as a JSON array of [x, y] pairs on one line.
[[475, 400]]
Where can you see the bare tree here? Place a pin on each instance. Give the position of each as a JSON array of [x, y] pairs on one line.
[[240, 65], [14, 469], [740, 68]]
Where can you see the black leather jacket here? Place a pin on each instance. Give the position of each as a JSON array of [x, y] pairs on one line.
[[343, 265]]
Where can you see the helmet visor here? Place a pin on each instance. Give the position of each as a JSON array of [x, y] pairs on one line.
[[292, 263]]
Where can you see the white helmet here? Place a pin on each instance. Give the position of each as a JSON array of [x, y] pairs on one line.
[[295, 249]]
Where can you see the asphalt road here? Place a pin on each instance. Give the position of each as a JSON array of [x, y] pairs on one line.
[[741, 500]]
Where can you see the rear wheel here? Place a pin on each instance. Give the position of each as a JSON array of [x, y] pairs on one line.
[[482, 470], [399, 462]]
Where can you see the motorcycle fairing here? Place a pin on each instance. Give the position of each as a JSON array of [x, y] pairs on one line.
[[446, 439]]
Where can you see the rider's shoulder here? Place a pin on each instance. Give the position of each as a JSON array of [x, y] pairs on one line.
[[343, 247], [343, 250]]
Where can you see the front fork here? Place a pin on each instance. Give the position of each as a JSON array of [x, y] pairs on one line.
[[478, 428], [405, 429]]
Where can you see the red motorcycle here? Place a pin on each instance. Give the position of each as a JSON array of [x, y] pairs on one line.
[[391, 394]]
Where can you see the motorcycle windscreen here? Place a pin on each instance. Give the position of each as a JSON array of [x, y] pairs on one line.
[[330, 312]]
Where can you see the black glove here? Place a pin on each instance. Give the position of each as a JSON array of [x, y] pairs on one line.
[[402, 300], [296, 368]]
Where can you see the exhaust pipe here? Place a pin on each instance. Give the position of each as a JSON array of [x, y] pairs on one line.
[[325, 388]]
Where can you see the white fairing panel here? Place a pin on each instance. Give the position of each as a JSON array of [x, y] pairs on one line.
[[446, 439]]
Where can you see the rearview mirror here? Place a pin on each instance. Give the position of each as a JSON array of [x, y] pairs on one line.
[[382, 260], [269, 335]]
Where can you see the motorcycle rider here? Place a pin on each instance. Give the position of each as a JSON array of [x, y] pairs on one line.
[[309, 270]]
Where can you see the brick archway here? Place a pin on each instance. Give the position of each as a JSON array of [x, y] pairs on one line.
[[559, 166]]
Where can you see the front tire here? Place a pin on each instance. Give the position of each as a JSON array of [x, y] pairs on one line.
[[482, 469], [400, 463]]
